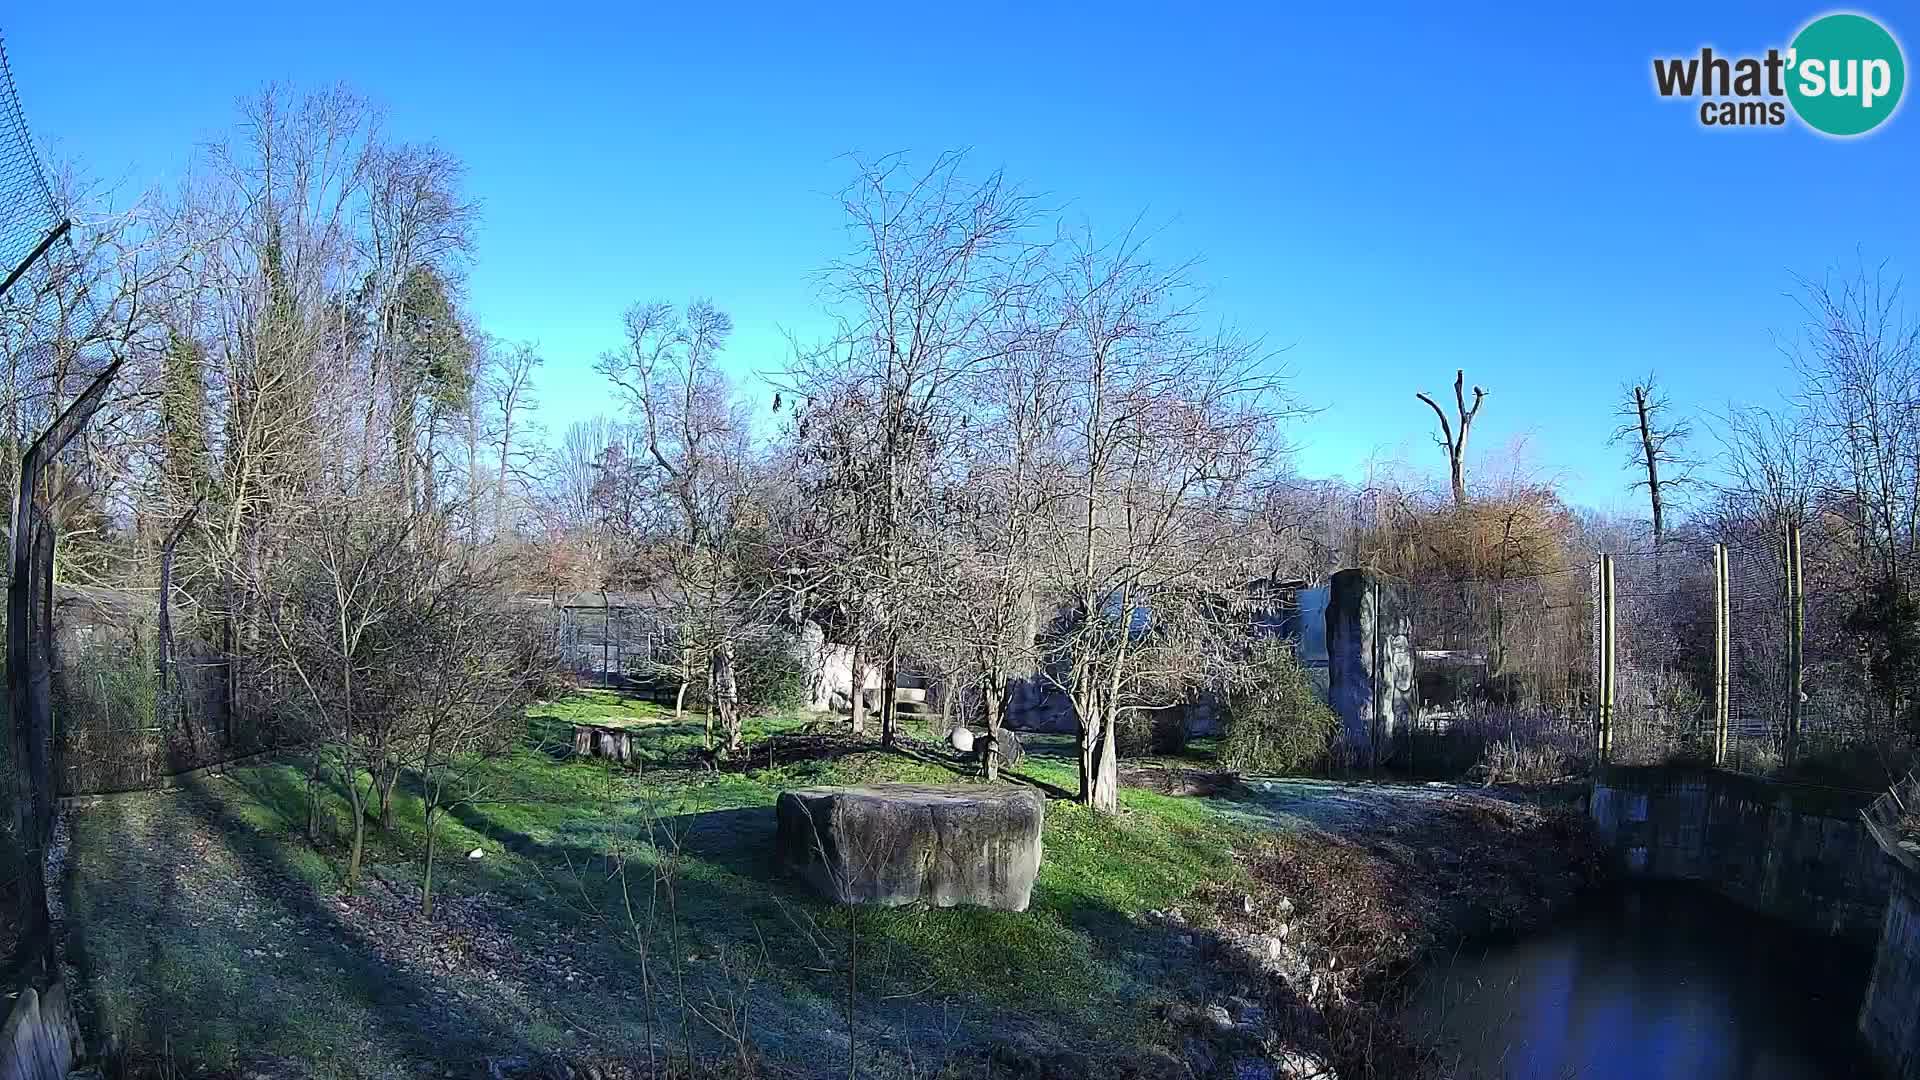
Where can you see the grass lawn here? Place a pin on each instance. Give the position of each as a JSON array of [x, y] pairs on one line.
[[209, 933]]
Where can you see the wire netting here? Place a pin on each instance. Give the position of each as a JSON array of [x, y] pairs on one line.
[[50, 317], [1757, 668], [1500, 661], [47, 314], [1663, 653], [1664, 663]]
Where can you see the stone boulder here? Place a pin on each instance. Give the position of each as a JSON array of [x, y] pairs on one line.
[[1011, 750], [892, 844]]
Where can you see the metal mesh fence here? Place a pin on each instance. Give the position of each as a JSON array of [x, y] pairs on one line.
[[1528, 660], [1827, 726], [50, 317], [610, 640], [1500, 661], [47, 317], [1663, 653], [1757, 662]]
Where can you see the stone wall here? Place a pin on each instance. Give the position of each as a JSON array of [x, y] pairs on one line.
[[37, 1041], [1795, 853], [1370, 680], [830, 677], [1890, 1015]]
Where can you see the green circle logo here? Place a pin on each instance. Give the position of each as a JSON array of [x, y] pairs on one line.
[[1845, 74]]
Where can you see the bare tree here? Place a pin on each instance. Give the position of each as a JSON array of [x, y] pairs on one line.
[[937, 259], [477, 661], [1859, 368], [269, 231], [980, 606], [510, 392], [1772, 462], [698, 474], [338, 611], [1169, 437], [1454, 444], [1656, 439], [416, 229]]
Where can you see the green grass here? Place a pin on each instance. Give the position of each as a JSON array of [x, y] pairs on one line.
[[566, 844], [599, 707]]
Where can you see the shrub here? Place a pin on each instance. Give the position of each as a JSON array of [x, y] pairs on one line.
[[1509, 761], [1140, 732], [1513, 745], [109, 737], [771, 673], [1276, 721]]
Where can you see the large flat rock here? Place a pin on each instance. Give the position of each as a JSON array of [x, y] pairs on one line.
[[890, 844]]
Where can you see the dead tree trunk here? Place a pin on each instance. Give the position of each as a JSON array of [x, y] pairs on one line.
[[1456, 445], [1650, 453]]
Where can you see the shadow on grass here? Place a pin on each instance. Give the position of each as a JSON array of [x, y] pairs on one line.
[[168, 968], [730, 892], [199, 943]]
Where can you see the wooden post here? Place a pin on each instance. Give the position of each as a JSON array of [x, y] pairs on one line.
[[1722, 654], [1796, 633], [1603, 720]]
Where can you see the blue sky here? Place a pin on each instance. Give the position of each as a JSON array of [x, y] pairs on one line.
[[1389, 194]]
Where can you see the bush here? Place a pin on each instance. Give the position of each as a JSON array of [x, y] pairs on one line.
[[1509, 761], [769, 671], [1141, 732], [108, 736], [771, 674], [1499, 745], [1276, 721]]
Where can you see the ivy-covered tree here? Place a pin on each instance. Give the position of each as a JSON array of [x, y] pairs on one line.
[[432, 378]]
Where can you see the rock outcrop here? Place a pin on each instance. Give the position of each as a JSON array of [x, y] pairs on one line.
[[893, 844]]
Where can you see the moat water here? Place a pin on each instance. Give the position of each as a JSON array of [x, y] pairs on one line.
[[1649, 981]]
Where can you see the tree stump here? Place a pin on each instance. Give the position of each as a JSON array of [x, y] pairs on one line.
[[596, 740]]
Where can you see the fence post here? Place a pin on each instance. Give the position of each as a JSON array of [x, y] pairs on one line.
[[1603, 720], [1796, 631], [1722, 654]]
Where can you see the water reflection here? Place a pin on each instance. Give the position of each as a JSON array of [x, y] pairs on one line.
[[1653, 981]]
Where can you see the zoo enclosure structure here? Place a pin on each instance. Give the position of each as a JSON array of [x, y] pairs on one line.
[[1719, 651], [57, 373], [1731, 649]]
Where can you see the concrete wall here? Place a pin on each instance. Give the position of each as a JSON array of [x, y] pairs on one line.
[[1369, 665], [1890, 1015], [1794, 853], [38, 1038]]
